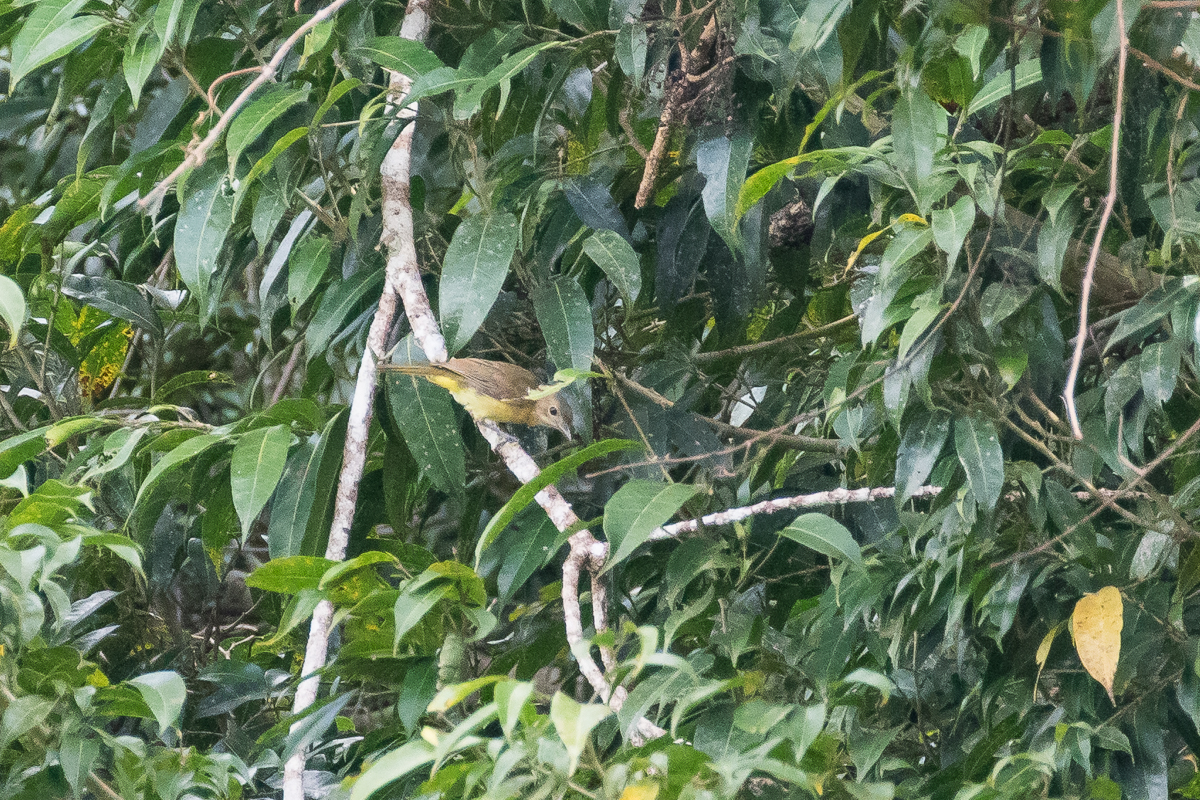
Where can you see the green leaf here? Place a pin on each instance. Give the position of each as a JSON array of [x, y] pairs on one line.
[[119, 545], [908, 242], [170, 13], [583, 14], [970, 44], [341, 298], [12, 308], [255, 469], [593, 203], [636, 511], [630, 50], [313, 722], [804, 726], [876, 680], [450, 696], [252, 120], [434, 83], [722, 161], [1027, 74], [77, 754], [816, 24], [293, 506], [264, 163], [51, 31], [757, 185], [566, 320], [574, 723], [393, 766], [22, 715], [951, 226], [290, 575], [425, 415], [79, 203], [334, 95], [196, 377], [609, 251], [1011, 363], [526, 494], [122, 300], [336, 575], [411, 608], [979, 452], [174, 459], [141, 57], [467, 103], [512, 699], [926, 310], [918, 123], [399, 55], [1153, 308], [63, 430], [525, 546], [164, 694], [1053, 240], [826, 535], [473, 272], [307, 265], [1160, 369], [205, 217]]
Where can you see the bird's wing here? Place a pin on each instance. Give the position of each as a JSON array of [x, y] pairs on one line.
[[497, 379]]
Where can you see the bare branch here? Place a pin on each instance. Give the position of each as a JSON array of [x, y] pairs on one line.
[[833, 497], [1110, 200], [401, 271], [829, 498]]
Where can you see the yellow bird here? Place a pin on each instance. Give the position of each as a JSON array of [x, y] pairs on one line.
[[495, 390]]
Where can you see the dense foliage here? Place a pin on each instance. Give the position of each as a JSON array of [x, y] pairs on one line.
[[802, 245]]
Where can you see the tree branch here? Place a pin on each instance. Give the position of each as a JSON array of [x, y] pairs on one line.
[[1110, 200], [199, 153], [401, 271]]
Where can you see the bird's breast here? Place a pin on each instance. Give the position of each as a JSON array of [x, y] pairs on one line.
[[482, 406]]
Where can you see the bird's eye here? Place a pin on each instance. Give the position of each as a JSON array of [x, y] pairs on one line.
[[553, 411]]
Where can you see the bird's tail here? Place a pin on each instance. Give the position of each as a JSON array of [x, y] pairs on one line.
[[414, 369]]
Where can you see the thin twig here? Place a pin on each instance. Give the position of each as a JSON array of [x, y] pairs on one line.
[[10, 412], [756, 347], [211, 94], [1125, 491], [285, 377], [810, 443], [1109, 201], [199, 153], [1150, 63]]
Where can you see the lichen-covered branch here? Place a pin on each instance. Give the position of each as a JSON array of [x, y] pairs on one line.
[[401, 267]]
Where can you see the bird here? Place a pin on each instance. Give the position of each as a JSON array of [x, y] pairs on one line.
[[496, 390]]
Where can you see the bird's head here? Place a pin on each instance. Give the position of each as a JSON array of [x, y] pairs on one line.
[[554, 412]]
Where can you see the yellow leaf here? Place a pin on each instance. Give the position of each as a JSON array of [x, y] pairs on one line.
[[642, 790], [862, 245], [103, 363], [1043, 652], [1096, 630]]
